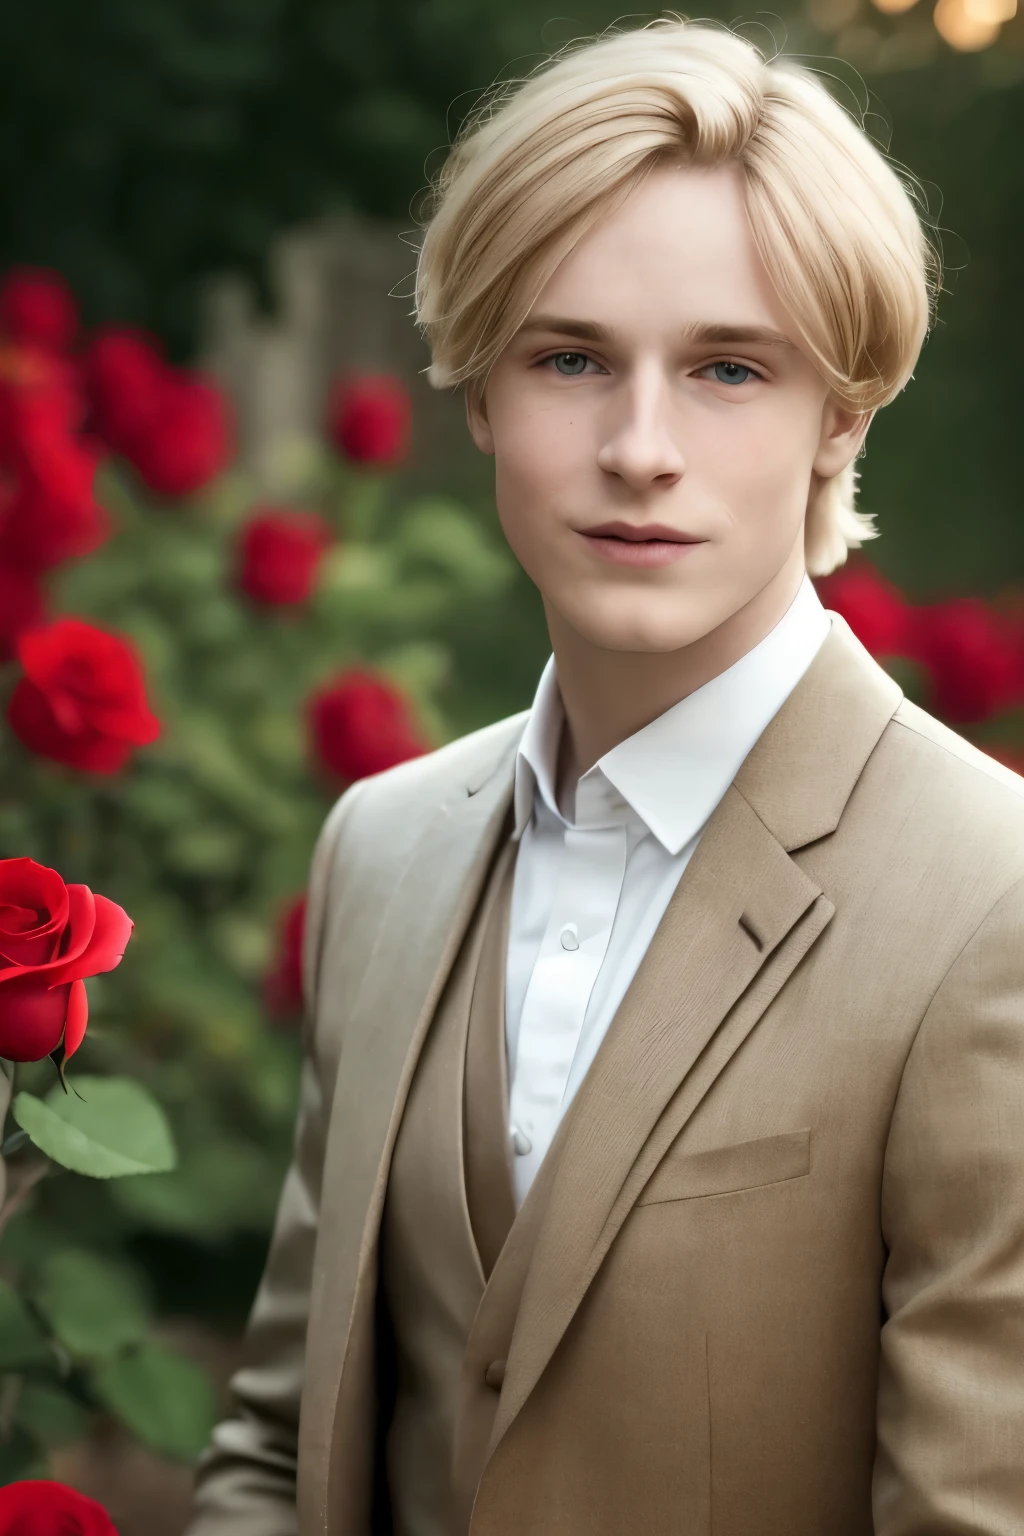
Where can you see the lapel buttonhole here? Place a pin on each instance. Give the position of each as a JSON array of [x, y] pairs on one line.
[[747, 924]]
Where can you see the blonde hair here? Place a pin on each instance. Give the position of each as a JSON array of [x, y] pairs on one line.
[[538, 163]]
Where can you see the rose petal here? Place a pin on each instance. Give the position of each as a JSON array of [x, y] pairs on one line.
[[32, 1017], [108, 938], [33, 911], [77, 1019], [75, 940], [32, 721]]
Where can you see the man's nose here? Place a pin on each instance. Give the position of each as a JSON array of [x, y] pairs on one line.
[[642, 441]]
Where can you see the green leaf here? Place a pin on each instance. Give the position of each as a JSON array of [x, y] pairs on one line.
[[51, 1415], [166, 1401], [114, 1128], [23, 1343], [94, 1307]]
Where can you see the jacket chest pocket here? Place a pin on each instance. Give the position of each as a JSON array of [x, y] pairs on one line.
[[724, 1170]]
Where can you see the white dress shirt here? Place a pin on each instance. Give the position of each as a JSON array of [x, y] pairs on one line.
[[591, 885]]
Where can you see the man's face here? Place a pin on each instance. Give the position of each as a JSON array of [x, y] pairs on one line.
[[654, 389]]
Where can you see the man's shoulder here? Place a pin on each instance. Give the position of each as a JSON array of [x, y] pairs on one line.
[[383, 815], [965, 807], [956, 765]]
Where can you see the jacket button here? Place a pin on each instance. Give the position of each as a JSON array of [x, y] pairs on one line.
[[495, 1374]]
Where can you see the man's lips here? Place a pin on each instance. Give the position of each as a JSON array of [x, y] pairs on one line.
[[639, 544], [635, 533]]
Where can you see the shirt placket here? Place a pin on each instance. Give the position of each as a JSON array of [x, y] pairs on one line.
[[571, 954]]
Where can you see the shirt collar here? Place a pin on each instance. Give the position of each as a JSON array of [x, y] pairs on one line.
[[673, 772]]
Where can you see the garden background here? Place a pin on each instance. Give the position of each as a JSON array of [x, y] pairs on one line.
[[285, 623]]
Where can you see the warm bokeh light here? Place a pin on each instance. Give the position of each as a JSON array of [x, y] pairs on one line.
[[991, 12], [961, 28], [893, 7]]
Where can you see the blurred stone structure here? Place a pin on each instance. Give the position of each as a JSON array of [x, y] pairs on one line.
[[342, 299]]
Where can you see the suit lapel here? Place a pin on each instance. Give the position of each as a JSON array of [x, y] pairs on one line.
[[742, 917], [421, 929], [742, 903]]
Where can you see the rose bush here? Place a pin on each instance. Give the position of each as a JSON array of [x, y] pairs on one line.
[[279, 555], [361, 725], [38, 1507], [974, 656], [21, 606], [369, 419], [188, 441], [157, 744], [52, 936], [48, 510], [38, 308], [124, 371], [82, 698], [172, 424], [970, 653]]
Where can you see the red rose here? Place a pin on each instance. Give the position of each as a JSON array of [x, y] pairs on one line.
[[361, 725], [82, 700], [49, 514], [42, 1508], [190, 439], [368, 419], [280, 552], [21, 606], [40, 396], [124, 371], [875, 610], [283, 987], [52, 936], [973, 655], [37, 305], [171, 424]]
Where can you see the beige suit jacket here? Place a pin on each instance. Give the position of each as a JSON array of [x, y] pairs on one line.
[[787, 1224]]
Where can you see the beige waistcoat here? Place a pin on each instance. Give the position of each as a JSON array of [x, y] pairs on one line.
[[449, 1213]]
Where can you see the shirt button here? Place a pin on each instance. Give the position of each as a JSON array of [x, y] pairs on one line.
[[495, 1374], [521, 1143], [567, 938]]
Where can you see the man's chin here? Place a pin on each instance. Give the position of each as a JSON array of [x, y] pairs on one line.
[[640, 628]]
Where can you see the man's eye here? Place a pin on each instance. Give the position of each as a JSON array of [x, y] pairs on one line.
[[575, 363], [732, 373]]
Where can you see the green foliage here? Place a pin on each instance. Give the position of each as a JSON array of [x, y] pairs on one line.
[[50, 1415], [166, 1401], [20, 1456], [109, 1127], [96, 1308], [23, 1344]]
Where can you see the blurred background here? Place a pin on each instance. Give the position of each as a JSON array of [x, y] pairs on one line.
[[218, 448]]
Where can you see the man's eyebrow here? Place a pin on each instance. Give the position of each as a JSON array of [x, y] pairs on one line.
[[698, 332]]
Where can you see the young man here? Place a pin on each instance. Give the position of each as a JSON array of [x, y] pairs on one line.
[[660, 1164]]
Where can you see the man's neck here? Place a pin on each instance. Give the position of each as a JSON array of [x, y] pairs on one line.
[[610, 695]]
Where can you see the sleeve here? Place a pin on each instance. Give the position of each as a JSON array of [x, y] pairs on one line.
[[950, 1412], [246, 1479]]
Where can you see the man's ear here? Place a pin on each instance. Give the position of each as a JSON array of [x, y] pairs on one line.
[[476, 419], [842, 436]]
